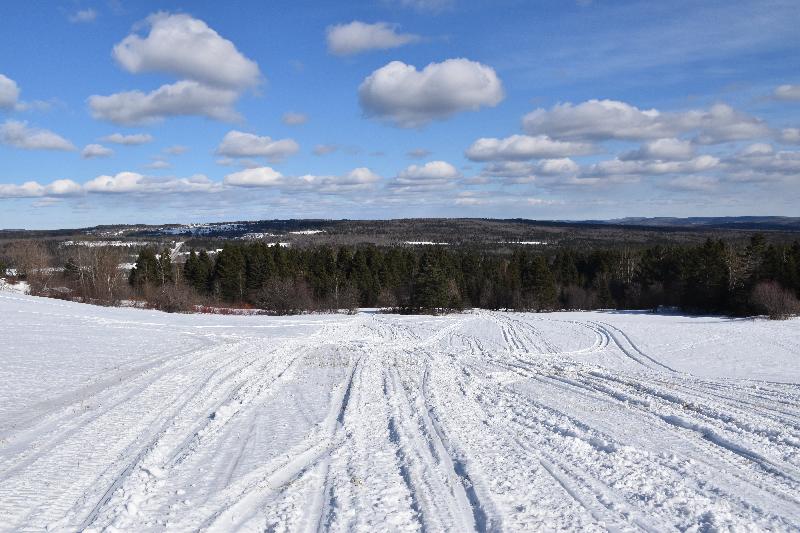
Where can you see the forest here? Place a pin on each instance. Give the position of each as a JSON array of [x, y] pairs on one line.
[[755, 277], [714, 277]]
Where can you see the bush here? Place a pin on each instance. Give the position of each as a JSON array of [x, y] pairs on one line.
[[285, 297], [171, 298], [771, 299]]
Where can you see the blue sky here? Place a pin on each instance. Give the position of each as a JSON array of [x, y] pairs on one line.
[[154, 112]]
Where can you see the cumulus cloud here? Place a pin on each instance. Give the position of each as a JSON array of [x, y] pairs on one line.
[[790, 135], [669, 149], [32, 189], [618, 167], [266, 177], [787, 92], [241, 144], [294, 119], [597, 120], [760, 162], [83, 15], [693, 183], [357, 37], [430, 176], [186, 47], [20, 135], [92, 151], [722, 123], [9, 92], [254, 177], [610, 119], [128, 140], [182, 98], [215, 73], [524, 147], [358, 179], [524, 172], [407, 97], [133, 183]]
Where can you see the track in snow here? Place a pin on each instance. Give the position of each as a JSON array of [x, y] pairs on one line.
[[480, 421]]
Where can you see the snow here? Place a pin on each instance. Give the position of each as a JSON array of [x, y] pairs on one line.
[[307, 232], [426, 243], [136, 420], [98, 244], [20, 287]]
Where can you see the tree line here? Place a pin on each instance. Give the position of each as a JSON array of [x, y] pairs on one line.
[[714, 277], [755, 277]]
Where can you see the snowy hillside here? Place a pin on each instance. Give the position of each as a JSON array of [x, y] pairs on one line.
[[144, 421]]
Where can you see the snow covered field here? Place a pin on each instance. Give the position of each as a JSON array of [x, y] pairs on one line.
[[142, 421]]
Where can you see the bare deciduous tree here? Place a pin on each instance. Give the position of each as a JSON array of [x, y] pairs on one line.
[[775, 301]]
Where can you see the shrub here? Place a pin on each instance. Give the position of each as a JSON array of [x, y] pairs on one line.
[[771, 299]]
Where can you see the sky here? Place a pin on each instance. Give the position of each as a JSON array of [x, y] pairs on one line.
[[122, 111]]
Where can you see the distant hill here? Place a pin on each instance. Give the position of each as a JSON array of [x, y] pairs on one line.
[[741, 223], [487, 233]]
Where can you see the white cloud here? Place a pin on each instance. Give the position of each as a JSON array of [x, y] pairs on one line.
[[183, 98], [524, 147], [240, 144], [294, 119], [693, 183], [357, 179], [32, 189], [135, 183], [9, 92], [129, 140], [186, 47], [618, 167], [760, 162], [788, 92], [20, 135], [433, 175], [790, 135], [611, 119], [597, 119], [555, 167], [434, 170], [401, 94], [63, 188], [84, 15], [669, 149], [176, 149], [524, 172], [325, 149], [92, 151], [357, 37], [254, 177], [418, 153], [722, 123], [158, 164]]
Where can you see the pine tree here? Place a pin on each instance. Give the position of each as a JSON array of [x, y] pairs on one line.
[[146, 269], [430, 285], [539, 284]]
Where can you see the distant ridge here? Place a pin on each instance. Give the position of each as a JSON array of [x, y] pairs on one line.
[[743, 222]]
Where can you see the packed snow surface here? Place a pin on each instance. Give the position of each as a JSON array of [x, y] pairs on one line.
[[127, 419]]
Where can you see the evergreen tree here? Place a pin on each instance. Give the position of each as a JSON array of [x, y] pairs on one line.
[[146, 270], [430, 285]]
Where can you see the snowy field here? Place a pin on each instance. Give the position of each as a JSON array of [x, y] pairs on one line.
[[125, 419]]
